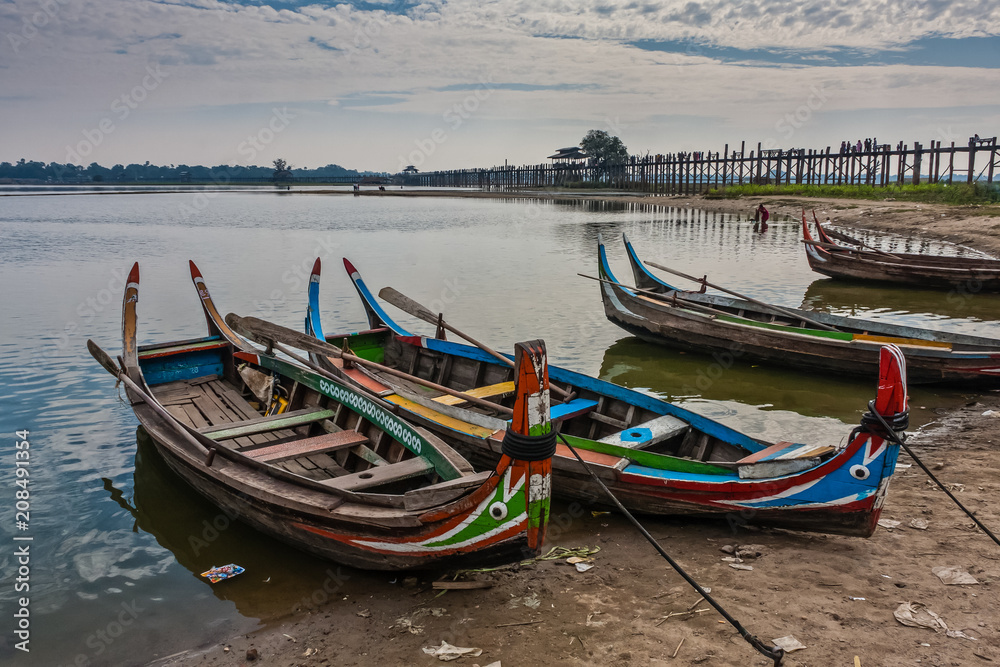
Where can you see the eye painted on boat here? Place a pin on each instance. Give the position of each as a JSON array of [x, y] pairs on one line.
[[859, 472], [498, 511]]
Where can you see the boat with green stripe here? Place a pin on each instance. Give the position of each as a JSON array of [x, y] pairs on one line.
[[656, 311]]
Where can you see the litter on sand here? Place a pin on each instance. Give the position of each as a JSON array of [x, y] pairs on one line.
[[916, 615], [919, 524], [958, 634], [889, 524], [448, 652], [740, 566], [788, 643], [583, 567], [953, 576], [222, 572]]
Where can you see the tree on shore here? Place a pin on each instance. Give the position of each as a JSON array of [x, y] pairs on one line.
[[608, 150]]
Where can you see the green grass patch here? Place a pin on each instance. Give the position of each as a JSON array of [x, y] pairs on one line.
[[932, 193]]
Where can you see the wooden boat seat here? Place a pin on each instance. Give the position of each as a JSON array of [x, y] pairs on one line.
[[786, 451], [575, 408], [321, 444], [394, 472], [648, 433], [488, 391], [265, 424]]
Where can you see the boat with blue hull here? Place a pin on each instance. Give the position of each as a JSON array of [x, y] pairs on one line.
[[656, 457]]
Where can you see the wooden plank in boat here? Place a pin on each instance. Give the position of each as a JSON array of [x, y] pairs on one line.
[[272, 423], [785, 451], [314, 474], [439, 418], [648, 433], [320, 444], [367, 381], [574, 408], [442, 492], [368, 455], [220, 417], [181, 349], [488, 391], [377, 476]]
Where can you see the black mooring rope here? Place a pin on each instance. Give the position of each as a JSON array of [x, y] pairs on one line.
[[775, 653], [899, 441]]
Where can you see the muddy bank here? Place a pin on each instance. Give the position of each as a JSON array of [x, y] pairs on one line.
[[834, 594]]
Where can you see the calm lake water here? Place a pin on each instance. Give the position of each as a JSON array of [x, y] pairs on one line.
[[118, 542]]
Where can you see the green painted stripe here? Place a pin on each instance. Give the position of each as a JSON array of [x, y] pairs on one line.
[[836, 335], [357, 402], [278, 422], [648, 459]]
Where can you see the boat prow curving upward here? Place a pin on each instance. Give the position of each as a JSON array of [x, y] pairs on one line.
[[831, 257], [657, 457], [660, 313], [320, 465]]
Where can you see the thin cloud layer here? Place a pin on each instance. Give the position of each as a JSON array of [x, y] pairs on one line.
[[189, 81]]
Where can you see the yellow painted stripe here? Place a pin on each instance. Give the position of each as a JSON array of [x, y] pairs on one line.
[[478, 392], [444, 420], [902, 341]]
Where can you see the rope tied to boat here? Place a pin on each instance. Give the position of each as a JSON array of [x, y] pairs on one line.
[[528, 447], [900, 441], [775, 653], [876, 424]]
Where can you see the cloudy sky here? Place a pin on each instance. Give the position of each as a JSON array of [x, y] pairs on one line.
[[456, 83]]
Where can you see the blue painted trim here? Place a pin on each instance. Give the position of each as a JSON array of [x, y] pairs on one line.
[[603, 268], [656, 405], [374, 307], [557, 412], [314, 325], [637, 263], [644, 471]]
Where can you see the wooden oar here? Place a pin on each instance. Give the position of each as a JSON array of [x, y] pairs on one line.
[[777, 309], [849, 239], [268, 333], [104, 359], [408, 305]]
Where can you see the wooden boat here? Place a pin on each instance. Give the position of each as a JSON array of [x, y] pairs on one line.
[[326, 468], [656, 457], [721, 325], [968, 275]]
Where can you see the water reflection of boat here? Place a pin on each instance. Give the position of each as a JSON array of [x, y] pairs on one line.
[[677, 375], [200, 536], [859, 299]]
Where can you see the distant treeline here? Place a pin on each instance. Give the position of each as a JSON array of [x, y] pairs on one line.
[[23, 170]]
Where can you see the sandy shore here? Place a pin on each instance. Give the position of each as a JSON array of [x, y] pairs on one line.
[[834, 594]]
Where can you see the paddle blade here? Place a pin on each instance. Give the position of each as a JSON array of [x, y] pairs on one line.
[[892, 398], [103, 358], [407, 305]]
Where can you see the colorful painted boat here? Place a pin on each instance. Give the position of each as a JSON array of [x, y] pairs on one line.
[[656, 457], [722, 325], [967, 275], [326, 468]]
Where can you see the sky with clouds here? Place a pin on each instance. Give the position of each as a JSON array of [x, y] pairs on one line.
[[456, 83]]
